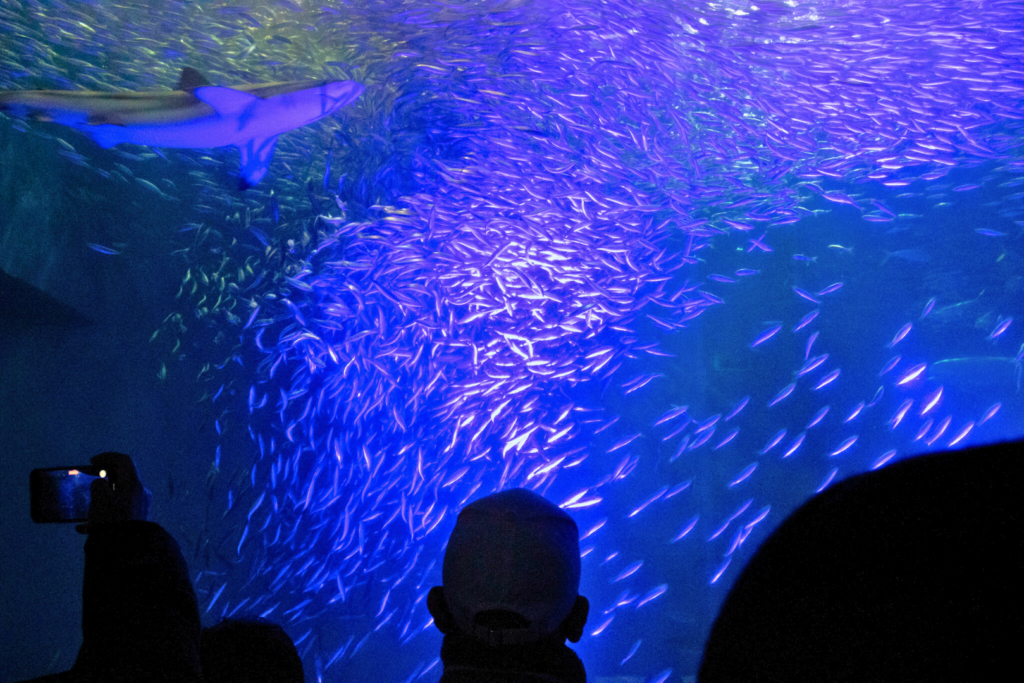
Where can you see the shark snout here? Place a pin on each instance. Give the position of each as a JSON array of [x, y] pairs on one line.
[[343, 93]]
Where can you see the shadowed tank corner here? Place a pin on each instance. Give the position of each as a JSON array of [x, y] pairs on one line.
[[25, 306]]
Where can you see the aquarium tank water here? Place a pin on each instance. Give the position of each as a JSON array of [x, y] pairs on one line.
[[675, 265]]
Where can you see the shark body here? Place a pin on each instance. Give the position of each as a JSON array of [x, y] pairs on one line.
[[195, 115]]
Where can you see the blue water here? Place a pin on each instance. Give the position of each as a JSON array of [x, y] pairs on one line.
[[535, 237]]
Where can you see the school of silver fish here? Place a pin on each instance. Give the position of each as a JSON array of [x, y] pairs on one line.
[[532, 207]]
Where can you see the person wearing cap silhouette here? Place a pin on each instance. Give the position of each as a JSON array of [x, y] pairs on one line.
[[510, 597]]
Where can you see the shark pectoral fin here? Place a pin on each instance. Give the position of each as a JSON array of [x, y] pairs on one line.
[[225, 101], [256, 155]]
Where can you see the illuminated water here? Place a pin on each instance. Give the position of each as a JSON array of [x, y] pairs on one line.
[[543, 230]]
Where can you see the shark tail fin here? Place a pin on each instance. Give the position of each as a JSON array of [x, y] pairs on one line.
[[255, 159], [191, 79]]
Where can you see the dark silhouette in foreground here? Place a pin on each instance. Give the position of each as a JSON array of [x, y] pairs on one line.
[[910, 573], [140, 618], [511, 593], [249, 650]]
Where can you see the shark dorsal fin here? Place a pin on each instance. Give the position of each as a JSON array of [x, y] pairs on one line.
[[191, 79], [226, 101]]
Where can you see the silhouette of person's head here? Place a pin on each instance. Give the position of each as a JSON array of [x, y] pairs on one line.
[[511, 574], [907, 573], [249, 650]]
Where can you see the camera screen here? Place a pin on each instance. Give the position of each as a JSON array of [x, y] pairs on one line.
[[61, 495]]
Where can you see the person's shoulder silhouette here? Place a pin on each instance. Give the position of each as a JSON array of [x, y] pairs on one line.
[[249, 650]]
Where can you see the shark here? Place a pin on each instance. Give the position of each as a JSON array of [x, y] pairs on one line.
[[195, 115]]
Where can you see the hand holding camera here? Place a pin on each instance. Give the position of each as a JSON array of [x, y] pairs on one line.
[[108, 490], [119, 496]]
